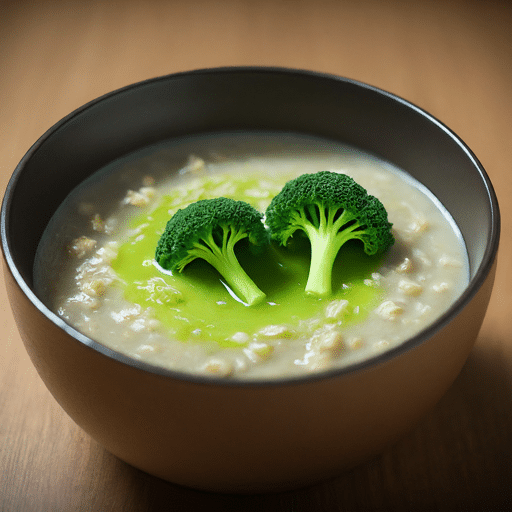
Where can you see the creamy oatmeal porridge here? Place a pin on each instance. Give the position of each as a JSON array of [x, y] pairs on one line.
[[101, 245]]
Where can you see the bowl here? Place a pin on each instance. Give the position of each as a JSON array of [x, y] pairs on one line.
[[247, 436]]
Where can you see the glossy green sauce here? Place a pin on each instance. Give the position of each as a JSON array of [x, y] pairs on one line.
[[196, 305]]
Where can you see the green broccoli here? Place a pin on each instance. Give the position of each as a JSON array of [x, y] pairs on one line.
[[330, 208], [209, 229]]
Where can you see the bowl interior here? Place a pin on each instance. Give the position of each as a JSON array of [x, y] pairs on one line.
[[247, 99]]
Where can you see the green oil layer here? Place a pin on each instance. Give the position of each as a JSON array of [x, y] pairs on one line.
[[195, 304]]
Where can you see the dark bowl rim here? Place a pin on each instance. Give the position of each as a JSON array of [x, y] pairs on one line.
[[455, 309]]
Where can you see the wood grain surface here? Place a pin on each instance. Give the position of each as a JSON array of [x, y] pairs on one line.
[[452, 58]]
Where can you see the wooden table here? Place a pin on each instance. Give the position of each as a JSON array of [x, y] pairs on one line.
[[452, 58]]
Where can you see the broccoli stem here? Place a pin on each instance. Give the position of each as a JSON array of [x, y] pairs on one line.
[[326, 238], [323, 255], [224, 260], [238, 280]]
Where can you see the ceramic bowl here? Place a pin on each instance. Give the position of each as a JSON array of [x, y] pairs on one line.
[[247, 436]]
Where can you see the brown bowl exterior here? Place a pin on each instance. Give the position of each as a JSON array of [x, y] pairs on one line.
[[246, 436]]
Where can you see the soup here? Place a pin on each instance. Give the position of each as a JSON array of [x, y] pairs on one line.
[[101, 243]]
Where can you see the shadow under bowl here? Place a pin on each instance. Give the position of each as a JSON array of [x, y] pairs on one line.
[[246, 436]]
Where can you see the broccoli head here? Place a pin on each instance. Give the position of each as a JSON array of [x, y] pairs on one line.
[[209, 229], [330, 208]]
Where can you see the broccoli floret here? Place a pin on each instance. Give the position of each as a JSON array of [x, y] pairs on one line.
[[330, 208], [209, 229]]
